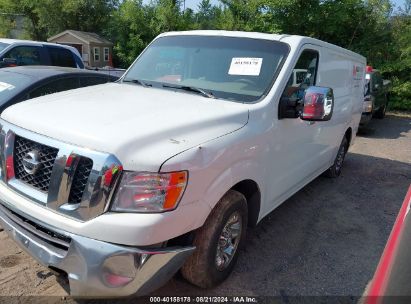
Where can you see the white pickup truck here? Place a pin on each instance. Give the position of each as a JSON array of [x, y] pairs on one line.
[[120, 185]]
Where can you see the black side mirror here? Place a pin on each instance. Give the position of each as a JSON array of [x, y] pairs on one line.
[[318, 104]]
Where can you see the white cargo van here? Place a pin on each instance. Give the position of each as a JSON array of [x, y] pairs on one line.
[[121, 185]]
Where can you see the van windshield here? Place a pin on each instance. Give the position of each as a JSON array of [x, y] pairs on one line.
[[233, 68]]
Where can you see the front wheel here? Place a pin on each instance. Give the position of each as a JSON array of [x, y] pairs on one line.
[[335, 169], [218, 242]]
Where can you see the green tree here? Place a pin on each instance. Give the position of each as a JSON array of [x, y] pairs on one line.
[[48, 17], [205, 15], [188, 20], [247, 15], [6, 24], [398, 64], [129, 28], [30, 9], [167, 16]]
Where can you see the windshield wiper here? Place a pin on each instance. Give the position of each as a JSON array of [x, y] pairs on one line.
[[190, 89], [138, 81]]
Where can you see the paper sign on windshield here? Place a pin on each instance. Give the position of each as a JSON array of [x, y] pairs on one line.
[[245, 66], [5, 86]]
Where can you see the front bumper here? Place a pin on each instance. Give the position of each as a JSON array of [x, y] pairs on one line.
[[94, 268]]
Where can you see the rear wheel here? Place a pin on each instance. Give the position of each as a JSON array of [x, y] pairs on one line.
[[218, 242], [335, 169]]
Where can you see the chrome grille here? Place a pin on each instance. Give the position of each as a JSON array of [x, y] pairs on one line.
[[71, 180], [80, 180], [41, 179]]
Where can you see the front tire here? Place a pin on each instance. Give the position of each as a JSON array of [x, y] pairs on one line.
[[218, 242], [335, 169]]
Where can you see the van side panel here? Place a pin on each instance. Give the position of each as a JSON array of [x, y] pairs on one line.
[[334, 72], [345, 75]]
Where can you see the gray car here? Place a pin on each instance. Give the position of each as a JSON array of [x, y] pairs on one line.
[[25, 52], [21, 83]]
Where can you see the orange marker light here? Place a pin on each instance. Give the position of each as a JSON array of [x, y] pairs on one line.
[[175, 189]]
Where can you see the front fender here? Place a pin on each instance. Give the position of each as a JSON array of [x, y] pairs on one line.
[[215, 167]]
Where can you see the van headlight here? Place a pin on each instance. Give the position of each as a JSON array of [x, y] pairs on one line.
[[149, 192]]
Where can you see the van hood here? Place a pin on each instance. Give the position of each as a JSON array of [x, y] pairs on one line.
[[141, 126]]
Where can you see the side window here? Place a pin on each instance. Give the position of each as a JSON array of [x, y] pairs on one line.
[[96, 51], [25, 55], [106, 54], [303, 75], [90, 81], [55, 86], [61, 57]]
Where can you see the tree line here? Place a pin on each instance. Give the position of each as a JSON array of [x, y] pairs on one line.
[[373, 28]]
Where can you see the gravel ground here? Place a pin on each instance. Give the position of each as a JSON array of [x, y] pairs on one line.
[[325, 240]]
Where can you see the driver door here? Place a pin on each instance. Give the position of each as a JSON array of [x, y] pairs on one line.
[[296, 147]]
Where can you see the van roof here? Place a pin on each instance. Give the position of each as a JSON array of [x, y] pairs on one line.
[[293, 40], [31, 42]]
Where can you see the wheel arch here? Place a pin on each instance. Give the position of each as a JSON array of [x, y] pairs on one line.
[[348, 135], [250, 189]]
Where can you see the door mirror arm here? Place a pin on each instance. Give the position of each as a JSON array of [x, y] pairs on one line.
[[288, 108]]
